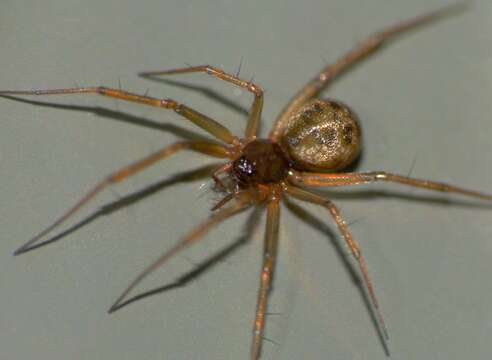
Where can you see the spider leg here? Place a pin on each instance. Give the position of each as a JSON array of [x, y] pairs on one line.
[[343, 179], [201, 120], [266, 276], [204, 147], [351, 243], [256, 107], [215, 176], [242, 202], [356, 54]]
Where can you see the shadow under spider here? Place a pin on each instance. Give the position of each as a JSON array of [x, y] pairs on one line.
[[128, 200]]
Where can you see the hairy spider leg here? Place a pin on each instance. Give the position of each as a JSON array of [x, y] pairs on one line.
[[208, 148], [243, 201], [344, 179], [366, 47], [306, 195], [256, 107], [266, 275], [209, 125]]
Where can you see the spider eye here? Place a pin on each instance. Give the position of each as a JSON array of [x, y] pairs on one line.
[[245, 170], [245, 166]]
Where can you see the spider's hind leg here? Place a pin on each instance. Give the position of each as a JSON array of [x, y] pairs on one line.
[[370, 44], [346, 179]]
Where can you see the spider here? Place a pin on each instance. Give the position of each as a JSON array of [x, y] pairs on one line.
[[311, 141]]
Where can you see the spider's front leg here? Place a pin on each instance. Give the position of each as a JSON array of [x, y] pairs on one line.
[[210, 125], [256, 107]]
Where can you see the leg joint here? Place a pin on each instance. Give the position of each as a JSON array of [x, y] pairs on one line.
[[258, 91], [379, 175]]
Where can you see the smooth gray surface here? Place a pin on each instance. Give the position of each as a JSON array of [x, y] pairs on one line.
[[426, 97]]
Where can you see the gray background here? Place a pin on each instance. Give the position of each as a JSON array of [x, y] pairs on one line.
[[426, 97]]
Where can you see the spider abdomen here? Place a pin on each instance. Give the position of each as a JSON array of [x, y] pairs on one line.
[[322, 135]]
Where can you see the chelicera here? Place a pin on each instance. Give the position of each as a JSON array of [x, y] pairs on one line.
[[310, 142]]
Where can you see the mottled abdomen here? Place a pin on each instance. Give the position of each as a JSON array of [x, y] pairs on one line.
[[321, 136]]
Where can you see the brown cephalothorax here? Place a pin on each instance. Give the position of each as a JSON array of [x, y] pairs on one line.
[[310, 139], [261, 162], [322, 136]]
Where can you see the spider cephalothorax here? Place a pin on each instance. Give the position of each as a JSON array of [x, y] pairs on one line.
[[261, 162]]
